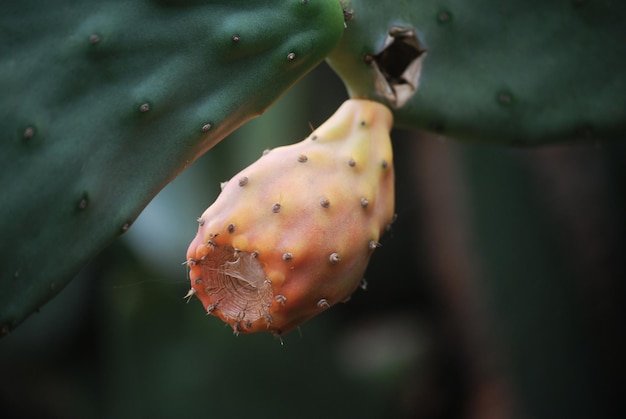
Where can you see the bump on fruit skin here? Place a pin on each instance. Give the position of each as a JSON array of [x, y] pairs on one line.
[[303, 235]]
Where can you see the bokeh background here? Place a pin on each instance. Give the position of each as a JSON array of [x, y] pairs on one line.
[[499, 293]]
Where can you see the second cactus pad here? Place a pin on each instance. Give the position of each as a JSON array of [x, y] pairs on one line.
[[515, 72]]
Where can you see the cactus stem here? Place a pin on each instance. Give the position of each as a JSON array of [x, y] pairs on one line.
[[334, 258]]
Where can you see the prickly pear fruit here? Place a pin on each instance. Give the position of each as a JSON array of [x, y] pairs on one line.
[[291, 235]]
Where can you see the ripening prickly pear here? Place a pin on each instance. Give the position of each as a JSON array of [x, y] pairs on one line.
[[291, 235]]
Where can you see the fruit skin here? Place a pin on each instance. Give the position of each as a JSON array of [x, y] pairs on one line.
[[105, 102], [291, 235]]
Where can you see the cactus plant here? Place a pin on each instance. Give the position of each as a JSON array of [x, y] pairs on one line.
[[103, 104], [291, 235], [556, 77]]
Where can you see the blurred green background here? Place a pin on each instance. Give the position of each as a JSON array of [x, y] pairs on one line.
[[499, 293]]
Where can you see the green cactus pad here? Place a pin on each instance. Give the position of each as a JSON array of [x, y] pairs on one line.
[[512, 72], [104, 102]]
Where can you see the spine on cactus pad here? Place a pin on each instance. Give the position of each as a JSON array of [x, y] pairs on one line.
[[291, 235]]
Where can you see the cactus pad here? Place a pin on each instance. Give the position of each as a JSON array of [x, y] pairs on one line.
[[514, 72], [104, 102]]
